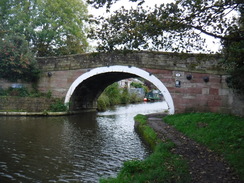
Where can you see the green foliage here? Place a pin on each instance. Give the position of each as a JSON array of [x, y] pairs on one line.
[[140, 85], [3, 92], [147, 133], [234, 59], [221, 133], [16, 60], [23, 92], [58, 106], [110, 97], [103, 102], [101, 3], [142, 119], [137, 85], [113, 92], [134, 98], [177, 27], [161, 166], [51, 27], [169, 27], [125, 96], [113, 95]]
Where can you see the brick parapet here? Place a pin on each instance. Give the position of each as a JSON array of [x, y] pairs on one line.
[[202, 63]]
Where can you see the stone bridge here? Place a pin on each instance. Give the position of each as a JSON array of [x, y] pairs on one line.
[[189, 82]]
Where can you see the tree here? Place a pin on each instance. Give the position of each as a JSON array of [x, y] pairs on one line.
[[234, 55], [171, 27], [101, 3], [178, 27], [51, 27], [16, 60]]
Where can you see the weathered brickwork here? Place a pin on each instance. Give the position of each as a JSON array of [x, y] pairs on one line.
[[151, 60], [195, 94], [25, 104]]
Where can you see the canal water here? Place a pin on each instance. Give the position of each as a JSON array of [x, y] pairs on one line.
[[78, 148]]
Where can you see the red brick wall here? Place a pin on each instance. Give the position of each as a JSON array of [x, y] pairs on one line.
[[196, 95]]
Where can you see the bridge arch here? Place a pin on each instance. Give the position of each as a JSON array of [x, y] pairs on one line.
[[93, 86]]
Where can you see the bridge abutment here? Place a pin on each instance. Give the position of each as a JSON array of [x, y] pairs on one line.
[[196, 94]]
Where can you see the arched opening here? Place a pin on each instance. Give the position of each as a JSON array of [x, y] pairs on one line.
[[85, 90]]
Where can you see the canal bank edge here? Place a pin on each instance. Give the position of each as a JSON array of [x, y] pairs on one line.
[[148, 134], [44, 113], [34, 113]]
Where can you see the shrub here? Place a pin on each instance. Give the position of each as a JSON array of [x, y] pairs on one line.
[[113, 92], [103, 102], [134, 98], [125, 97], [58, 106]]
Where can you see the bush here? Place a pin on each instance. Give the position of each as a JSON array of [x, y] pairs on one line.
[[58, 106], [114, 95], [113, 92], [125, 97], [103, 103], [233, 59], [134, 98]]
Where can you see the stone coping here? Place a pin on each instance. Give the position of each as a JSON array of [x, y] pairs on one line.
[[34, 113], [44, 113]]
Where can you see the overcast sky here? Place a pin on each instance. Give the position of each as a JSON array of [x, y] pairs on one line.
[[213, 44], [127, 4]]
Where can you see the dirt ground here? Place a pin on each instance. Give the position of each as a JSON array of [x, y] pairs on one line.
[[205, 165]]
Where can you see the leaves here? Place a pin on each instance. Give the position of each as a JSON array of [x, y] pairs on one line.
[[178, 27], [49, 26], [16, 60], [169, 27]]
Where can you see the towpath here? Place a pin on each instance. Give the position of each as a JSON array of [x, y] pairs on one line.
[[205, 165]]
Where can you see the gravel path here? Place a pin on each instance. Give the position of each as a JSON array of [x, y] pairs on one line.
[[205, 165]]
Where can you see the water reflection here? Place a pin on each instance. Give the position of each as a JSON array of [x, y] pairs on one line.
[[79, 148]]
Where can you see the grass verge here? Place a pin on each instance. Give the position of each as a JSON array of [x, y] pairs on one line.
[[160, 166], [221, 133], [148, 135]]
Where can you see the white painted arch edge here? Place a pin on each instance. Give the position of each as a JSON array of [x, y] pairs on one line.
[[132, 70]]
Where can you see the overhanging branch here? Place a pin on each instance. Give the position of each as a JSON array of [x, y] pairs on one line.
[[217, 36]]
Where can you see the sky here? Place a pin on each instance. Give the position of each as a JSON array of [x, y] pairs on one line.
[[127, 4], [213, 44]]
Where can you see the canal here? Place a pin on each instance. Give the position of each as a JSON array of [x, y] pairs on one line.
[[77, 148]]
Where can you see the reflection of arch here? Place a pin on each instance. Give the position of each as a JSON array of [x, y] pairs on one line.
[[123, 69]]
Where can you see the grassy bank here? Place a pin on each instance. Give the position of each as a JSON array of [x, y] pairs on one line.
[[222, 133], [160, 166]]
